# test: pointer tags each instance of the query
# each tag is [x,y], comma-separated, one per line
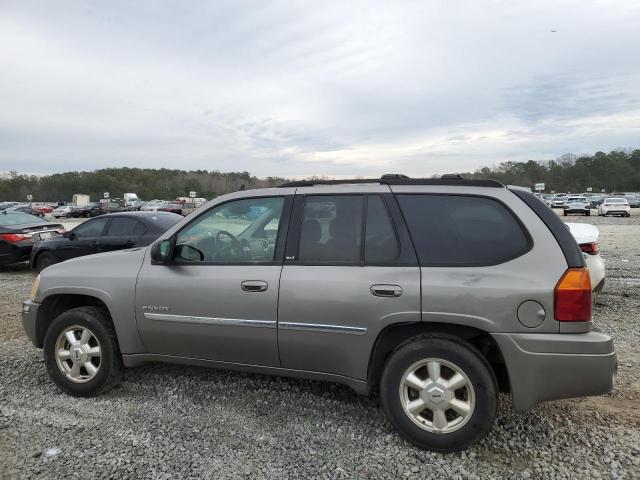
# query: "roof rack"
[393,179]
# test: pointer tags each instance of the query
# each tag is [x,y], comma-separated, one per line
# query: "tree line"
[618,170]
[147,183]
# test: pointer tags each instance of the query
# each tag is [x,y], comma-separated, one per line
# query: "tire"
[109,370]
[588,214]
[44,260]
[564,213]
[453,354]
[628,215]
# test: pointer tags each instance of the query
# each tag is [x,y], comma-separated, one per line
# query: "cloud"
[313,88]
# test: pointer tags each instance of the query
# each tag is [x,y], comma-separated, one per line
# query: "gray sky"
[297,88]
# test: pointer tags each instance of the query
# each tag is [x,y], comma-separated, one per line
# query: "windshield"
[17,218]
[616,200]
[576,199]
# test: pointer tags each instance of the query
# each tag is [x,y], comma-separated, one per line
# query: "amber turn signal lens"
[573,296]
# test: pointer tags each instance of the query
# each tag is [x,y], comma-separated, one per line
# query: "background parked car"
[26,208]
[586,236]
[99,208]
[103,234]
[171,207]
[633,200]
[596,200]
[81,211]
[64,211]
[614,206]
[19,232]
[557,202]
[5,205]
[577,204]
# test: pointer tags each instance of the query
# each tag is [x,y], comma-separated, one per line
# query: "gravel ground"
[186,422]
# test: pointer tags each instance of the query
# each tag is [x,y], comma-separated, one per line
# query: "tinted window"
[462,230]
[381,244]
[238,231]
[90,228]
[164,220]
[331,228]
[17,218]
[122,227]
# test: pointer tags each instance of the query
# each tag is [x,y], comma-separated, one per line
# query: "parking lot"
[169,421]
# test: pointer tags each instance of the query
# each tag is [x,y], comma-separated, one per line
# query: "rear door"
[349,271]
[122,232]
[483,254]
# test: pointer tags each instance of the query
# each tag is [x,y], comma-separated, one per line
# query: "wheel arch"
[54,305]
[394,335]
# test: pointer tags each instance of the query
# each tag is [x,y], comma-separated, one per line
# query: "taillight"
[590,248]
[572,296]
[14,237]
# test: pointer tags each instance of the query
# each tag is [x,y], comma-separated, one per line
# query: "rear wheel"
[439,392]
[588,214]
[81,352]
[44,260]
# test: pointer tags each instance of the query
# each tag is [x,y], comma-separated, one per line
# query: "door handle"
[129,243]
[95,244]
[386,290]
[254,286]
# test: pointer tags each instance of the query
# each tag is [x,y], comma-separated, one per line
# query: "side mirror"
[69,234]
[161,252]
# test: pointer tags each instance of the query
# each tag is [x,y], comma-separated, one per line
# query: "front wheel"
[588,214]
[81,352]
[439,392]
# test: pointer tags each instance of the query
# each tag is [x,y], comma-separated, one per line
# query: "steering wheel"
[234,248]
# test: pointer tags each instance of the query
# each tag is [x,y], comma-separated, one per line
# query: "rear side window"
[331,228]
[121,227]
[381,243]
[451,230]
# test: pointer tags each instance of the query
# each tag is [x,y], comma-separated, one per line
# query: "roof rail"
[398,181]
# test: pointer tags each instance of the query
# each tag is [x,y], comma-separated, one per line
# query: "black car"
[115,231]
[19,232]
[82,211]
[101,209]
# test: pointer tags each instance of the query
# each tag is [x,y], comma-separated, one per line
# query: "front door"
[218,298]
[84,239]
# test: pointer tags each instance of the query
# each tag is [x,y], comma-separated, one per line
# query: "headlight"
[34,288]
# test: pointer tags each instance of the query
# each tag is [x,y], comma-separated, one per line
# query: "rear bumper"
[15,252]
[546,367]
[577,210]
[29,316]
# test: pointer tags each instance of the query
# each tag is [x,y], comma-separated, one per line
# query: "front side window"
[90,228]
[450,230]
[238,231]
[331,228]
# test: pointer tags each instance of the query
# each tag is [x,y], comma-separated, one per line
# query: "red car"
[171,207]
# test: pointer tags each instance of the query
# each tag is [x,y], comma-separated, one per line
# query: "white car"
[586,236]
[62,212]
[577,204]
[614,206]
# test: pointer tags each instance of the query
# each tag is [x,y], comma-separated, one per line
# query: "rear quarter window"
[457,230]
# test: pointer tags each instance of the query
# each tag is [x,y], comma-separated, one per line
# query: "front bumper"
[29,317]
[546,367]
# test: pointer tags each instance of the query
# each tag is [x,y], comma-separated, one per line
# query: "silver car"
[436,293]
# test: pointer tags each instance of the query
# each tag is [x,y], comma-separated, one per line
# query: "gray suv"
[436,293]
